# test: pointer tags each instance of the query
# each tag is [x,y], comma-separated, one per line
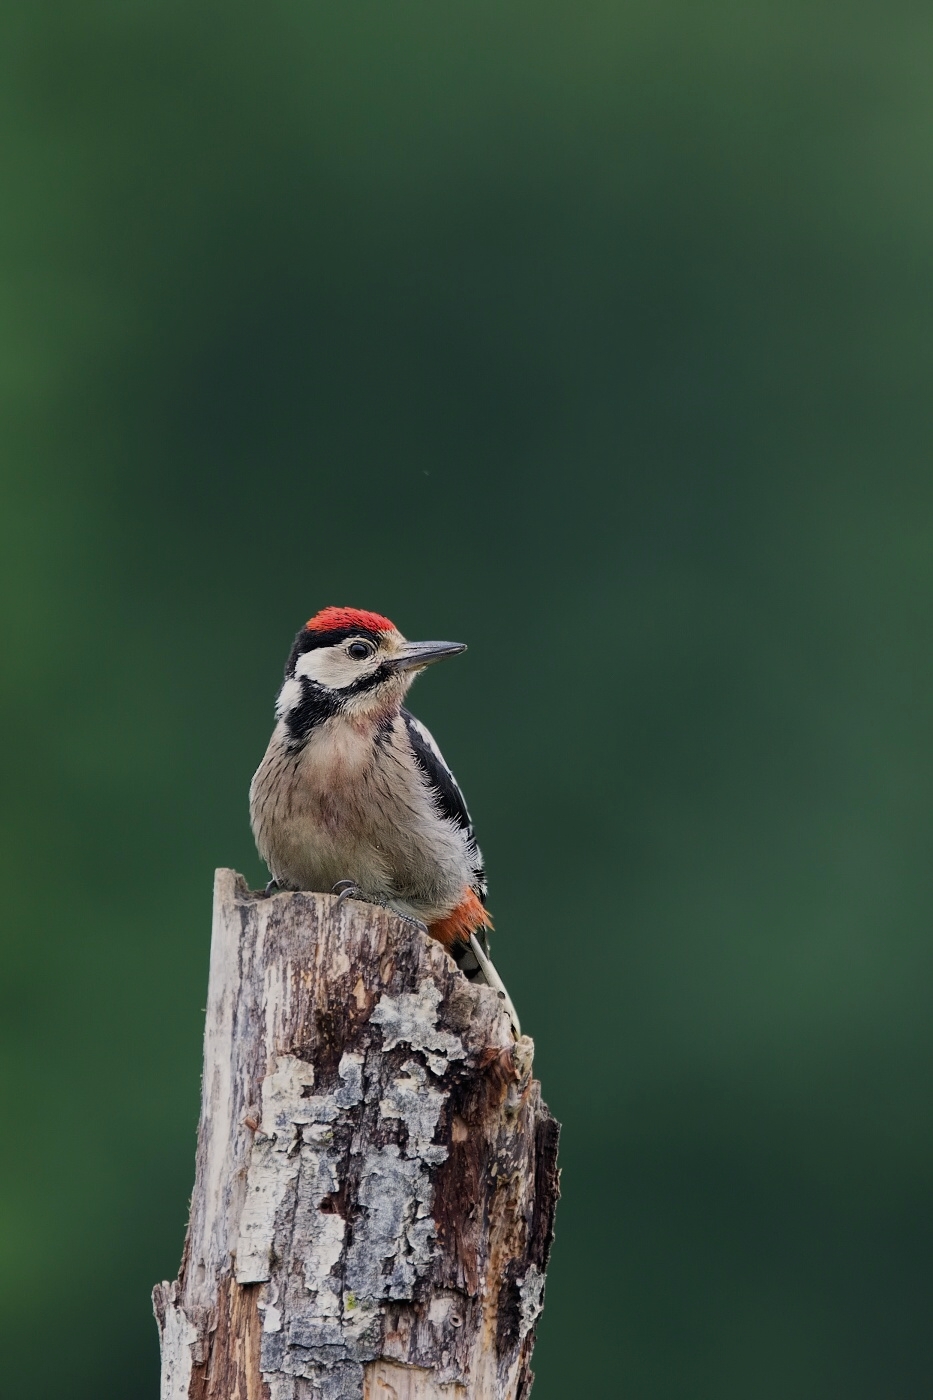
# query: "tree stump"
[376,1172]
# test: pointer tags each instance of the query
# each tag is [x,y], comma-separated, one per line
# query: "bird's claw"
[273,887]
[344,890]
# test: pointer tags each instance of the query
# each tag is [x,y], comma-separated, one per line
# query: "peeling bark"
[376,1173]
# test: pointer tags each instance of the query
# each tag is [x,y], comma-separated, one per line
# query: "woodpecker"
[353,795]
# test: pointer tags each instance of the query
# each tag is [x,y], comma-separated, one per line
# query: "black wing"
[444,787]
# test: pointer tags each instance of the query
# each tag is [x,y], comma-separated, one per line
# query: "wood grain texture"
[376,1173]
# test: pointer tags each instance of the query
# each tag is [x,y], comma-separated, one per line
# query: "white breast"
[353,805]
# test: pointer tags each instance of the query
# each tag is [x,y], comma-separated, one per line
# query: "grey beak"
[414,655]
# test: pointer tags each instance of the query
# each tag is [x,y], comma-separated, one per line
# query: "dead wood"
[376,1172]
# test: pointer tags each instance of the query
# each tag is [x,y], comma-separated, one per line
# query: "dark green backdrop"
[597,336]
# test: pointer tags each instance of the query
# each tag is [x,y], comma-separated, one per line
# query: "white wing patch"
[431,742]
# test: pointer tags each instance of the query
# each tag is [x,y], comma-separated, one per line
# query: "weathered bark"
[376,1172]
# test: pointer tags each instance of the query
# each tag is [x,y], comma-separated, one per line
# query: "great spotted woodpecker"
[353,795]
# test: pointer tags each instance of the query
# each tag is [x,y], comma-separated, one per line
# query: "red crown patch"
[339,619]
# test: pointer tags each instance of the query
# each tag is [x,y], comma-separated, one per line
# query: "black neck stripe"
[319,702]
[316,705]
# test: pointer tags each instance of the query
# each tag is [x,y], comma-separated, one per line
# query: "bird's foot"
[409,919]
[273,887]
[349,889]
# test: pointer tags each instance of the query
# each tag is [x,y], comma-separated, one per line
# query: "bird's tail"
[474,962]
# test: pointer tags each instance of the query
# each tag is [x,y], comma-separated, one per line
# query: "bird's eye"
[359,650]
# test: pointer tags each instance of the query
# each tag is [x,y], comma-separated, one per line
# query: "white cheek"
[331,667]
[289,696]
[325,666]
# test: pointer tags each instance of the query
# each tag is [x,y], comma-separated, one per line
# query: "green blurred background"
[597,336]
